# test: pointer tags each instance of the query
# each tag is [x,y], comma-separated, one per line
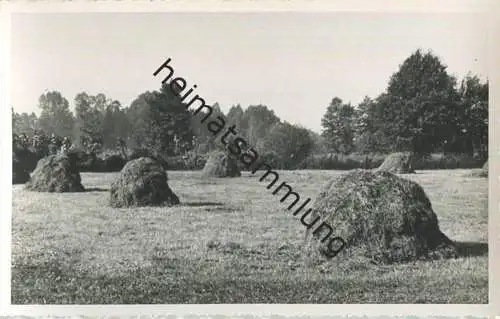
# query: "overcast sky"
[294,63]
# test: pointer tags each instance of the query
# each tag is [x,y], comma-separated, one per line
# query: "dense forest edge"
[424,110]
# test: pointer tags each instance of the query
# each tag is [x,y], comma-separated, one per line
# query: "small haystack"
[221,164]
[480,172]
[142,182]
[381,217]
[19,173]
[485,169]
[55,173]
[398,163]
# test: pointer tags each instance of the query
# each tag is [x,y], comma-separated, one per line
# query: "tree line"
[423,110]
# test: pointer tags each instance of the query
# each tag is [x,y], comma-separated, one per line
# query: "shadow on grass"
[471,249]
[201,204]
[96,189]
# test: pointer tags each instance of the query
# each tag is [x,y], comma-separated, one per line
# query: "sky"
[294,63]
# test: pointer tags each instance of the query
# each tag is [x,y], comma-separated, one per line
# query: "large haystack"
[142,182]
[19,173]
[221,164]
[399,163]
[381,217]
[55,173]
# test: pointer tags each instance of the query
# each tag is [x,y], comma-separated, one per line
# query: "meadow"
[230,241]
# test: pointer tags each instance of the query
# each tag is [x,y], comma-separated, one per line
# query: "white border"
[255,6]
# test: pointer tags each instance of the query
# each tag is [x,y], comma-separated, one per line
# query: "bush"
[113,163]
[341,162]
[19,174]
[371,161]
[448,161]
[85,162]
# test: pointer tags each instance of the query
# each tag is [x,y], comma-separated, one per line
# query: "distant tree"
[24,123]
[371,135]
[115,125]
[160,122]
[291,144]
[56,117]
[235,116]
[89,118]
[338,127]
[256,123]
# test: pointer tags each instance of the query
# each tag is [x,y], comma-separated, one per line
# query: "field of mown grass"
[230,241]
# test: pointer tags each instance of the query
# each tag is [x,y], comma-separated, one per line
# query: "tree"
[474,115]
[235,116]
[420,105]
[338,126]
[56,117]
[24,123]
[115,125]
[89,118]
[256,122]
[161,122]
[291,144]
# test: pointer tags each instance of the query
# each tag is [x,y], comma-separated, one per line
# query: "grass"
[230,241]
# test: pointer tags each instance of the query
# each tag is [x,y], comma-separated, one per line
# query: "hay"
[481,172]
[144,152]
[400,163]
[19,174]
[381,217]
[485,169]
[221,164]
[55,173]
[142,182]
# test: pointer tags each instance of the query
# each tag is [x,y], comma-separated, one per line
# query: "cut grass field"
[231,241]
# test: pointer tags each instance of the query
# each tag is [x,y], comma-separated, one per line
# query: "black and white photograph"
[249,158]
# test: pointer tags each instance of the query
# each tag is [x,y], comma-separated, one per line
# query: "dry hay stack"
[481,172]
[221,164]
[485,169]
[55,173]
[142,182]
[19,173]
[400,163]
[381,217]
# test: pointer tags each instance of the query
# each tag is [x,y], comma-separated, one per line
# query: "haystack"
[485,169]
[142,182]
[19,173]
[221,164]
[400,163]
[55,173]
[381,217]
[480,172]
